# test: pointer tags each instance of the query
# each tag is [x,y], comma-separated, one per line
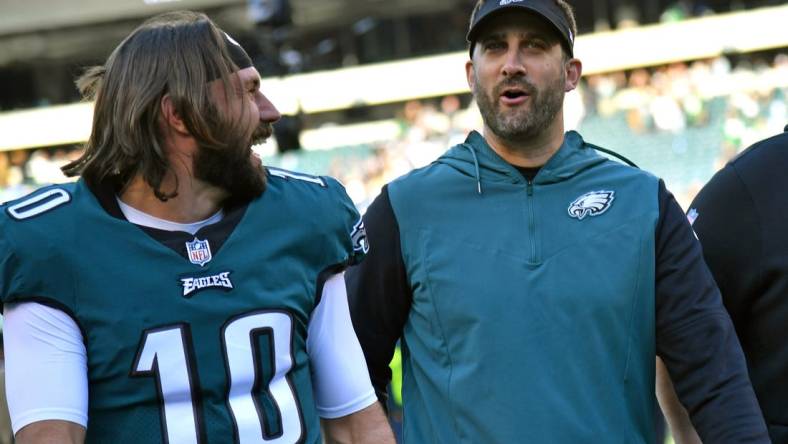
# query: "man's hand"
[675,414]
[368,425]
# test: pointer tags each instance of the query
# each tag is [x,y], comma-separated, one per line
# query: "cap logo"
[508,2]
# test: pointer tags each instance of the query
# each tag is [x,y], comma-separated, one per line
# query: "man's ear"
[470,74]
[171,117]
[574,70]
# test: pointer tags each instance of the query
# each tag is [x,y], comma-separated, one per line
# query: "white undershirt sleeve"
[339,372]
[45,365]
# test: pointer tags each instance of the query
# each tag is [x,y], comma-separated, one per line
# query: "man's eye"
[494,45]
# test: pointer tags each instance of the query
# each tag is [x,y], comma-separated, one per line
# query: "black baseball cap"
[548,9]
[237,54]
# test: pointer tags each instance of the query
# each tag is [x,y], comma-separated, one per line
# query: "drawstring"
[476,165]
[616,155]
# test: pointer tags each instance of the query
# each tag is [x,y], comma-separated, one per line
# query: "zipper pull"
[530,188]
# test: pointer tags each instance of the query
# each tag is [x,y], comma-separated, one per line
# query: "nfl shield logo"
[199,251]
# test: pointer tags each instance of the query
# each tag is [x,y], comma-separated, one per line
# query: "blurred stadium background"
[374,88]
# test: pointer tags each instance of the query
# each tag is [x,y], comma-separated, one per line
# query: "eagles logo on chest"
[196,283]
[592,203]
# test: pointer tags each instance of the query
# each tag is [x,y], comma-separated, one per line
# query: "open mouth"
[513,96]
[514,93]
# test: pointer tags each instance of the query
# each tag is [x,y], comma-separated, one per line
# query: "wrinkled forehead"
[241,80]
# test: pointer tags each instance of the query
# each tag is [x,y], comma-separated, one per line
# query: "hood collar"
[477,159]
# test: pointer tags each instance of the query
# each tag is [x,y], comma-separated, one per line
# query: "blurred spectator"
[5,165]
[675,12]
[684,9]
[450,107]
[12,177]
[574,108]
[626,15]
[667,114]
[634,101]
[18,172]
[603,89]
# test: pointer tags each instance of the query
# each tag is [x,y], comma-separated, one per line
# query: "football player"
[179,291]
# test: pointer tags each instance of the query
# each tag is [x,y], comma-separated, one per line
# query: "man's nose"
[513,64]
[268,112]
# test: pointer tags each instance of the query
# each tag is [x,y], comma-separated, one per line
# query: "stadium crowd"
[668,99]
[741,101]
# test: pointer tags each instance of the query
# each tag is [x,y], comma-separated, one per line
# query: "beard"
[235,169]
[520,123]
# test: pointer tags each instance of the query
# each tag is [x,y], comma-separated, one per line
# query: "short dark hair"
[175,53]
[566,9]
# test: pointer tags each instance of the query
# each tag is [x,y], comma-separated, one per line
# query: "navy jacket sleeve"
[696,338]
[378,293]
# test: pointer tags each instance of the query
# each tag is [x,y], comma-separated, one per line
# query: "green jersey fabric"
[532,317]
[205,343]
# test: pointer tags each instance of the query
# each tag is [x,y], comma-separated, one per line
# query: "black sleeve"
[729,230]
[378,293]
[696,338]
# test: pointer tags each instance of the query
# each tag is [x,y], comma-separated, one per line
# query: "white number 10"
[166,353]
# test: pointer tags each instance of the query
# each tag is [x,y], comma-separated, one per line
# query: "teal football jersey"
[190,338]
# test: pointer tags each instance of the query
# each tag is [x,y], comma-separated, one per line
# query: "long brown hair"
[175,53]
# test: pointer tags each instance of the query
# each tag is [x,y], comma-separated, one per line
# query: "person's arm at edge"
[344,396]
[44,347]
[51,432]
[379,294]
[696,339]
[675,414]
[368,425]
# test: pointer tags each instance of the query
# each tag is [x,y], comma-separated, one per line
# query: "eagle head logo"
[359,237]
[592,203]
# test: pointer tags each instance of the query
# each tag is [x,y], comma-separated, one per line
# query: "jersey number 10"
[164,353]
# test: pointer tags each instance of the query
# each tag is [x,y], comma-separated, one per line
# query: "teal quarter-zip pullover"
[530,311]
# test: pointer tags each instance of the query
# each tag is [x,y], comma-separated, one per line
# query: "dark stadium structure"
[43,44]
